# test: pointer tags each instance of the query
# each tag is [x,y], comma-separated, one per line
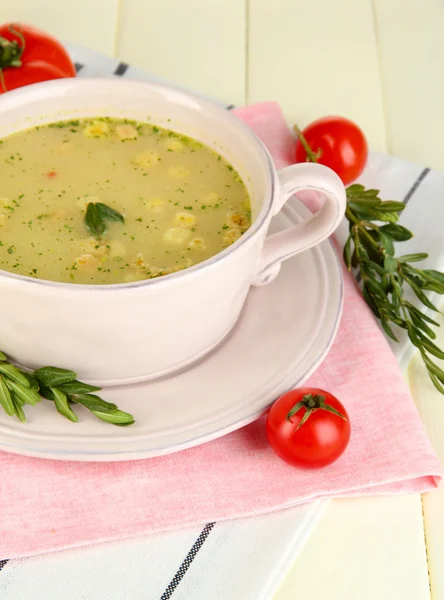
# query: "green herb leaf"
[77,387]
[96,216]
[397,320]
[433,287]
[387,243]
[46,393]
[106,212]
[93,402]
[3,357]
[375,267]
[14,374]
[33,383]
[25,395]
[363,212]
[413,257]
[371,303]
[388,330]
[412,274]
[377,290]
[413,336]
[93,221]
[387,281]
[430,346]
[61,402]
[390,264]
[364,201]
[18,400]
[421,296]
[356,190]
[106,411]
[391,206]
[396,302]
[434,276]
[18,408]
[420,324]
[53,377]
[433,367]
[436,382]
[367,268]
[117,417]
[434,280]
[354,259]
[389,217]
[347,253]
[423,316]
[397,232]
[370,194]
[6,399]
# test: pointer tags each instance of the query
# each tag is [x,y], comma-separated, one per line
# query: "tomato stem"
[311,156]
[11,52]
[311,404]
[20,35]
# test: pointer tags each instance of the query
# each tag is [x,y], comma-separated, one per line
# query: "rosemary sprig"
[18,388]
[370,249]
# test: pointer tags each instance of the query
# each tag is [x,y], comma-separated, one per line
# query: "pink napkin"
[49,505]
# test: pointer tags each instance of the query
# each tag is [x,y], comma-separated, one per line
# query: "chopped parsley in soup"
[102,201]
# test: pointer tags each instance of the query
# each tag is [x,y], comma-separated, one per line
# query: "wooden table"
[379,62]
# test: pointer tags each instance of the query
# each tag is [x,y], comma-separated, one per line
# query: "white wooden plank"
[200,45]
[91,24]
[412,55]
[317,58]
[434,528]
[363,548]
[431,407]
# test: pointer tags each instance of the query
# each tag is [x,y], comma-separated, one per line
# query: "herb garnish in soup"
[102,201]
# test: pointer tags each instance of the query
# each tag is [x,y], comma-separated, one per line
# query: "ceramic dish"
[122,333]
[283,334]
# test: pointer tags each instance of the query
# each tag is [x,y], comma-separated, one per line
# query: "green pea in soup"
[102,201]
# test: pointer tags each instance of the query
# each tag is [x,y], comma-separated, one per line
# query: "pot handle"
[285,244]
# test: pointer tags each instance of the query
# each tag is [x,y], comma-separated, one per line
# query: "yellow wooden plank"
[431,407]
[363,549]
[91,24]
[317,58]
[412,54]
[199,45]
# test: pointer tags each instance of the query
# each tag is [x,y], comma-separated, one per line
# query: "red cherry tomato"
[28,55]
[340,145]
[308,427]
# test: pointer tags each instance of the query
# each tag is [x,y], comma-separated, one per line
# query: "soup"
[104,201]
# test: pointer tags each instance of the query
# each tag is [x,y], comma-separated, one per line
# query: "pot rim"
[69,83]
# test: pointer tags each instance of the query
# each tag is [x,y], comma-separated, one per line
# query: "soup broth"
[177,202]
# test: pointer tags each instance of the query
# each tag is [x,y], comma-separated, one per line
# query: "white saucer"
[284,333]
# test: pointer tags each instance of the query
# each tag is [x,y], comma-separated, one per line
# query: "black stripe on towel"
[187,562]
[3,563]
[121,69]
[416,185]
[78,67]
